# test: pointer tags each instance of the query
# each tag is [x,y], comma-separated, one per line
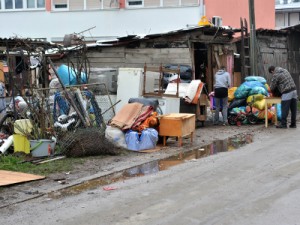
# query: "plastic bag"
[147,140]
[231,93]
[260,104]
[259,90]
[256,78]
[237,103]
[278,109]
[242,91]
[253,98]
[115,135]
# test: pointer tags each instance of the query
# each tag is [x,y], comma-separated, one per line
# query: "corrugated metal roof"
[131,38]
[19,42]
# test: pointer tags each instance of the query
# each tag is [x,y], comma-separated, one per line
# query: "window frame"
[24,6]
[134,6]
[60,9]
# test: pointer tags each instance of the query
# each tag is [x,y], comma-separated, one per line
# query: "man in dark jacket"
[283,82]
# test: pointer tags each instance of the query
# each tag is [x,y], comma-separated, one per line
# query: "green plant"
[19,164]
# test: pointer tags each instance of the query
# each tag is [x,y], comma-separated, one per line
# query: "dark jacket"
[282,81]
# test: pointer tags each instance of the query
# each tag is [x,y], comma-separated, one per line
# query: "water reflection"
[216,147]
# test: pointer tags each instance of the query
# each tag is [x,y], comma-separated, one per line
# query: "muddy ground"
[95,167]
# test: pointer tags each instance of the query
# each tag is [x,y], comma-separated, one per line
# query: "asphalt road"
[256,184]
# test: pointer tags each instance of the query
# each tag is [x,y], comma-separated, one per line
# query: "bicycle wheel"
[231,120]
[7,124]
[252,119]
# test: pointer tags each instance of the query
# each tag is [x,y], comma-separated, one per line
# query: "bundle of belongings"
[250,95]
[135,126]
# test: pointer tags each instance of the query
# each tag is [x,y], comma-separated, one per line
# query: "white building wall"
[117,22]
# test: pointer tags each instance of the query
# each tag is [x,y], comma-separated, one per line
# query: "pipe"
[7,143]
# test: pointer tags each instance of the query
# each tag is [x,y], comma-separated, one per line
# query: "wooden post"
[253,57]
[144,80]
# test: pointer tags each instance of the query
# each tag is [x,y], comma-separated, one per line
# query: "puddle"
[216,147]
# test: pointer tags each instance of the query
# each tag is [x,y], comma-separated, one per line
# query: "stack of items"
[134,127]
[250,96]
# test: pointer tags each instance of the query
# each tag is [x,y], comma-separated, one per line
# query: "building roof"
[292,28]
[208,30]
[25,43]
[292,7]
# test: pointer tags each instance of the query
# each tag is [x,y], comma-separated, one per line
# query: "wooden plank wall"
[272,50]
[137,57]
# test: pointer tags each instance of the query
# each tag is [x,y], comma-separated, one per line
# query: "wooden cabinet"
[202,109]
[177,125]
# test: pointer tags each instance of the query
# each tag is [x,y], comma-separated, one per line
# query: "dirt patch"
[97,166]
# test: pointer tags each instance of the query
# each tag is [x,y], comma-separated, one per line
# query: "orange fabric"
[151,121]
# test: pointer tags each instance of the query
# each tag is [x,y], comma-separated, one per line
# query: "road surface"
[256,184]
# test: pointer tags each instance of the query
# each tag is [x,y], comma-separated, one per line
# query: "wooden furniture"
[202,109]
[177,125]
[271,100]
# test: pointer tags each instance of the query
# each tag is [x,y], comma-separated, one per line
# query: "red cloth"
[145,113]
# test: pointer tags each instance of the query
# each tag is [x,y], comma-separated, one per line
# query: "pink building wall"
[232,10]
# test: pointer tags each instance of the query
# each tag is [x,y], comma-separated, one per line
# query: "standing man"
[222,83]
[283,83]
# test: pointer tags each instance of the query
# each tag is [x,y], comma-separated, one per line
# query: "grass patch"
[16,163]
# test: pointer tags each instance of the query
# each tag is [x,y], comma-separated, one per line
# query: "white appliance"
[169,105]
[217,21]
[130,85]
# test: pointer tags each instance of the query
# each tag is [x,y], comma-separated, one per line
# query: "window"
[60,4]
[8,4]
[35,4]
[135,3]
[21,4]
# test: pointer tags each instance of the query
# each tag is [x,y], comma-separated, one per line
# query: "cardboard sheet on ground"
[10,177]
[157,148]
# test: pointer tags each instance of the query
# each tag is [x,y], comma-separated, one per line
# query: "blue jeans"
[286,106]
[224,103]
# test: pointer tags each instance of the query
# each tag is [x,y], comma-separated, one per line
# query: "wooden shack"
[279,48]
[205,49]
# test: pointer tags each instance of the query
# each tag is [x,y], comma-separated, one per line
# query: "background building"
[287,13]
[102,19]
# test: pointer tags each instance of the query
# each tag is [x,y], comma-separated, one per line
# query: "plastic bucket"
[42,147]
[21,143]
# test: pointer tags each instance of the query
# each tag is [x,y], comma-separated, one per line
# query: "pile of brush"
[87,142]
